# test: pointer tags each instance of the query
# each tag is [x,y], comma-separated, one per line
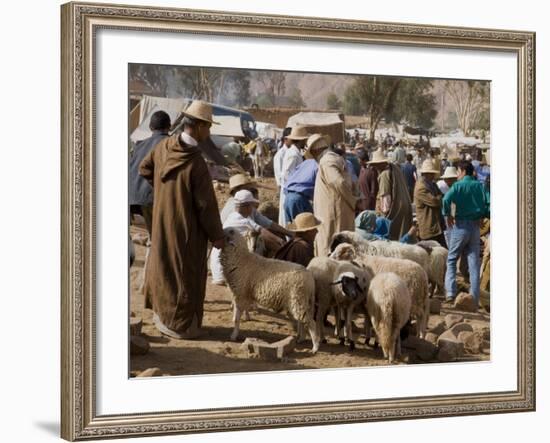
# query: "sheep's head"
[350,284]
[233,238]
[345,237]
[344,252]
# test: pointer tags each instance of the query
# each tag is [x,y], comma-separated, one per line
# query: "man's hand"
[450,221]
[219,244]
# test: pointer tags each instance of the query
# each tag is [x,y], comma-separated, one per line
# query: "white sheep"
[342,284]
[274,284]
[388,305]
[384,248]
[410,272]
[438,265]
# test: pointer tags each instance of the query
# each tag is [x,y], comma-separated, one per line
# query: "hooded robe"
[185,217]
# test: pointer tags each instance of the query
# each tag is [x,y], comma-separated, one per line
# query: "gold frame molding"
[79,23]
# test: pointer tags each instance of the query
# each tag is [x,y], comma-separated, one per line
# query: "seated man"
[301,248]
[374,227]
[242,220]
[240,182]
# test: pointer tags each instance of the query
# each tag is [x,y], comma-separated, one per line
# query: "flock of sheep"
[389,282]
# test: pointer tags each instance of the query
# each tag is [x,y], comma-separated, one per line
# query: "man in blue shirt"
[301,182]
[409,171]
[471,205]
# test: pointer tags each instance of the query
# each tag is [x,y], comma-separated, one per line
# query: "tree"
[296,99]
[375,97]
[352,103]
[414,104]
[240,85]
[392,99]
[154,76]
[333,102]
[274,83]
[469,99]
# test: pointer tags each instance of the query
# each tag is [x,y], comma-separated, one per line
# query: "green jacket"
[470,198]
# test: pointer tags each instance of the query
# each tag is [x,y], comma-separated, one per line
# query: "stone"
[151,372]
[423,349]
[269,351]
[450,348]
[473,342]
[461,327]
[439,329]
[435,306]
[465,302]
[486,331]
[432,338]
[453,319]
[135,325]
[141,239]
[139,345]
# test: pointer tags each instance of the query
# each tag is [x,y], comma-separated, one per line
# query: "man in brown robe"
[368,182]
[393,200]
[300,249]
[185,217]
[334,198]
[428,201]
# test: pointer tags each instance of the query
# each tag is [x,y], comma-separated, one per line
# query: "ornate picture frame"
[80,22]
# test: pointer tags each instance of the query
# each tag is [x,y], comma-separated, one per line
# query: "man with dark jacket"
[140,191]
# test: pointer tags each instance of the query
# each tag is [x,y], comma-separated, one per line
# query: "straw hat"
[200,110]
[303,222]
[488,157]
[450,172]
[243,197]
[298,133]
[317,141]
[378,157]
[428,167]
[240,180]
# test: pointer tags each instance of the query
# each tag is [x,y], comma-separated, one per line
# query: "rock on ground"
[423,349]
[435,306]
[139,345]
[135,325]
[439,329]
[151,372]
[269,351]
[465,302]
[453,319]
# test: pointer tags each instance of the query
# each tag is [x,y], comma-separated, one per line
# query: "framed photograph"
[225,259]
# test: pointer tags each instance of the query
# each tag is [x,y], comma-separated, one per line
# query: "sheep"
[274,284]
[410,272]
[384,248]
[340,283]
[438,265]
[388,306]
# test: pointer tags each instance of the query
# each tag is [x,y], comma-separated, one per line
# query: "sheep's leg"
[319,320]
[300,332]
[338,330]
[312,326]
[236,321]
[349,329]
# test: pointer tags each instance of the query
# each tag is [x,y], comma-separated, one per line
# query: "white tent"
[314,118]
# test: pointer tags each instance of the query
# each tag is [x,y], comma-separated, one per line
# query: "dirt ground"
[213,352]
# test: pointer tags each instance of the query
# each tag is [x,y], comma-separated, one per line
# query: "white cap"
[243,196]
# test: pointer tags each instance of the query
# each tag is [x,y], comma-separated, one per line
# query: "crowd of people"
[383,191]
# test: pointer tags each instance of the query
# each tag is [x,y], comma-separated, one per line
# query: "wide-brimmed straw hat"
[298,133]
[428,167]
[450,172]
[378,157]
[200,110]
[317,141]
[240,180]
[303,222]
